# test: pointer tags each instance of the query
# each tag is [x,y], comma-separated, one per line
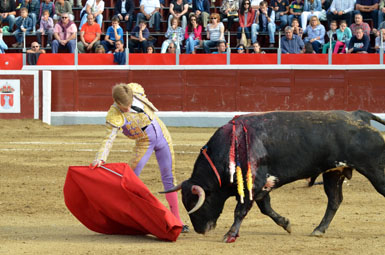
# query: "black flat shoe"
[185,229]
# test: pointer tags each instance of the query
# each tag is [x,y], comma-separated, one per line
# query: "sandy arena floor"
[34,159]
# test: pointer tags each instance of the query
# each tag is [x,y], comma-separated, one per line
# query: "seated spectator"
[61,7]
[149,11]
[281,9]
[291,43]
[309,48]
[23,25]
[341,10]
[7,13]
[35,48]
[295,11]
[368,9]
[139,37]
[344,34]
[114,33]
[100,49]
[124,10]
[264,22]
[381,13]
[89,35]
[47,5]
[359,23]
[310,8]
[65,35]
[201,9]
[178,9]
[174,34]
[297,30]
[378,41]
[95,7]
[229,10]
[221,48]
[3,45]
[332,35]
[359,42]
[119,54]
[193,34]
[241,49]
[171,48]
[246,20]
[255,4]
[46,28]
[150,49]
[33,7]
[257,48]
[215,32]
[315,34]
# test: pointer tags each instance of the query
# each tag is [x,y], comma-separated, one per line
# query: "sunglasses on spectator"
[240,49]
[213,18]
[33,47]
[193,19]
[64,17]
[171,47]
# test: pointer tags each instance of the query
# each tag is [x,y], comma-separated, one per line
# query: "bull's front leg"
[240,213]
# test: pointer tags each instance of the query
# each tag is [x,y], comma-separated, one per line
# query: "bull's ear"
[176,188]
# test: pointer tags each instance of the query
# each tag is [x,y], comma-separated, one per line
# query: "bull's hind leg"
[265,207]
[333,188]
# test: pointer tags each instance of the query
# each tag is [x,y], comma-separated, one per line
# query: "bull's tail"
[367,117]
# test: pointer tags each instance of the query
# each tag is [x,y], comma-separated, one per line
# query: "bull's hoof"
[317,233]
[230,238]
[288,228]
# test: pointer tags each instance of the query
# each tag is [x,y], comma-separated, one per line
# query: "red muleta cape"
[109,204]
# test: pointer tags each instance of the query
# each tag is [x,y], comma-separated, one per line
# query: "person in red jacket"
[246,18]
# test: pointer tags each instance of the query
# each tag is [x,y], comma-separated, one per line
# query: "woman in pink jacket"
[193,34]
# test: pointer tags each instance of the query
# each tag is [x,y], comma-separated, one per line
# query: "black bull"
[287,146]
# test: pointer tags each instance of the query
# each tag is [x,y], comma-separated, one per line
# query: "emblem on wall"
[9,96]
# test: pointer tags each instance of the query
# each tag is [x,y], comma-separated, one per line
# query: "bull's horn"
[197,190]
[175,188]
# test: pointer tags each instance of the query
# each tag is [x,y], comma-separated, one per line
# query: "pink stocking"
[172,199]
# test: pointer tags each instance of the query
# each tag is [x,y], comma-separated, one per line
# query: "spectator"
[246,19]
[255,4]
[178,9]
[193,34]
[359,42]
[95,7]
[33,7]
[46,27]
[297,30]
[257,48]
[215,32]
[139,37]
[201,8]
[35,48]
[310,8]
[368,9]
[7,13]
[315,34]
[295,11]
[229,10]
[100,49]
[378,41]
[149,11]
[124,10]
[281,9]
[241,48]
[174,34]
[89,35]
[65,35]
[332,34]
[291,43]
[171,48]
[150,49]
[359,23]
[114,33]
[344,34]
[264,22]
[381,13]
[47,5]
[3,45]
[23,25]
[119,54]
[61,7]
[341,10]
[326,4]
[309,49]
[221,48]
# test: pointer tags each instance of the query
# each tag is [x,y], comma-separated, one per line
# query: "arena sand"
[34,159]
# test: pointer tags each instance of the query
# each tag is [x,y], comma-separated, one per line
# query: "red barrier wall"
[225,90]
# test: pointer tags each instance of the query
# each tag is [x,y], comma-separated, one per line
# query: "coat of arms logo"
[7,97]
